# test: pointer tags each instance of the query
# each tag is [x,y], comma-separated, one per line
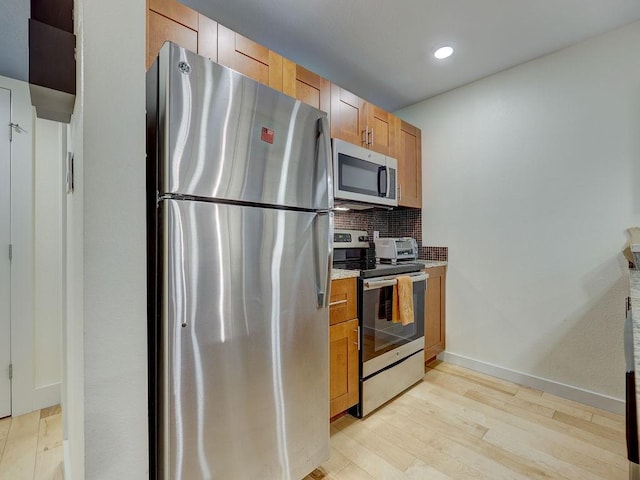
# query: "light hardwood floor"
[31,446]
[455,424]
[458,424]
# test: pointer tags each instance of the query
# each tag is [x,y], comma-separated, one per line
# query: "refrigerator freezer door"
[231,138]
[244,384]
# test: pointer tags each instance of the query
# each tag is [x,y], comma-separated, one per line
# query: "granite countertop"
[432,263]
[338,273]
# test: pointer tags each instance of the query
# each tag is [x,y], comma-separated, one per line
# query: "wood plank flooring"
[31,446]
[455,424]
[459,424]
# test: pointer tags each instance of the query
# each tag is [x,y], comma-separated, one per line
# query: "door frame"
[5,142]
[22,231]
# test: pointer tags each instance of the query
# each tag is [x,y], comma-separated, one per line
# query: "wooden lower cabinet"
[343,346]
[343,366]
[434,318]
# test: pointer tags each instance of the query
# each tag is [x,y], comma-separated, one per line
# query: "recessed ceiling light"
[443,52]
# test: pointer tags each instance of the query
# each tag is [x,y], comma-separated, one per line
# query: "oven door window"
[379,333]
[357,176]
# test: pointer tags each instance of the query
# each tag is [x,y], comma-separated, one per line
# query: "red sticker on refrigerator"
[267,135]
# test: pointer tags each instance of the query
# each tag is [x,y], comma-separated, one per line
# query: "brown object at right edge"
[634,238]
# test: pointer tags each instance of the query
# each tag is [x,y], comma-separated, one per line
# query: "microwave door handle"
[382,181]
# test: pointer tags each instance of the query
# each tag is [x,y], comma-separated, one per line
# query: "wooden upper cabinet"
[361,123]
[348,117]
[381,129]
[249,58]
[409,166]
[207,37]
[306,86]
[169,20]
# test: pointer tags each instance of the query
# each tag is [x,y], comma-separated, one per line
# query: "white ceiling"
[382,49]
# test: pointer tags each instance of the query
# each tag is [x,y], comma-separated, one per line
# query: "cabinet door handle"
[338,302]
[372,136]
[365,136]
[357,342]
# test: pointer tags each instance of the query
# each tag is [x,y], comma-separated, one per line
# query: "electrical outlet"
[376,234]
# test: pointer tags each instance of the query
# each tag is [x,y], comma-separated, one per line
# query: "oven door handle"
[387,282]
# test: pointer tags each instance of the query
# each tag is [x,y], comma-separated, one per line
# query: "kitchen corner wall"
[400,222]
[531,177]
[106,332]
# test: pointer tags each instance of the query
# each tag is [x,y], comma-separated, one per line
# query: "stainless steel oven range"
[391,358]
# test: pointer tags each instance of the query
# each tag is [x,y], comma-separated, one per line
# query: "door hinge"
[11,371]
[10,252]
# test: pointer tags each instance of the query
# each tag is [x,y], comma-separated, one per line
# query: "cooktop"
[380,270]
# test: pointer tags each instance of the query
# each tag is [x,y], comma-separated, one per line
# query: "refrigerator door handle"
[323,269]
[324,150]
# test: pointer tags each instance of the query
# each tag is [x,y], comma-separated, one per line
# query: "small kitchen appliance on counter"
[391,354]
[396,249]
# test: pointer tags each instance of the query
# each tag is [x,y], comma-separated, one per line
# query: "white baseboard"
[569,392]
[47,396]
[67,460]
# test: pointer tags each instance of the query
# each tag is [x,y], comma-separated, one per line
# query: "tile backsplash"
[401,222]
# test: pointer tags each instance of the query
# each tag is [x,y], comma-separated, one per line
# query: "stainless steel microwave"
[362,175]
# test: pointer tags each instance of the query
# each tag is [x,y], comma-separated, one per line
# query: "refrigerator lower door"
[244,354]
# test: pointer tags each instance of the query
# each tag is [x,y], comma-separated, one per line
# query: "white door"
[5,263]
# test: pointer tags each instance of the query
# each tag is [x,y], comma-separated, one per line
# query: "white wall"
[531,177]
[49,153]
[73,411]
[109,145]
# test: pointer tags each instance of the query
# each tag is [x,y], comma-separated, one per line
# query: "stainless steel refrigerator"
[240,237]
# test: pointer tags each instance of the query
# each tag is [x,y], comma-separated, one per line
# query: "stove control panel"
[350,239]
